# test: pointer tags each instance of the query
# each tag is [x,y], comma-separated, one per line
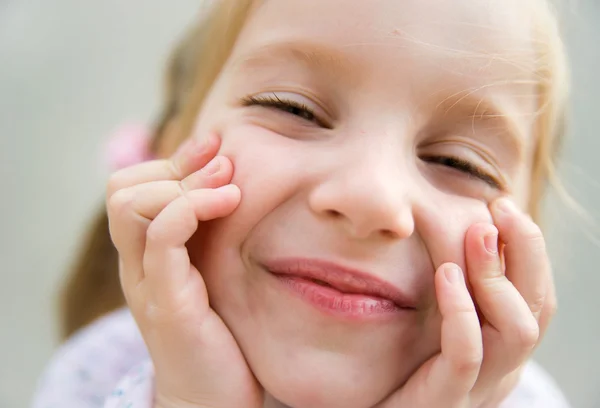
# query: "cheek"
[267,171]
[443,223]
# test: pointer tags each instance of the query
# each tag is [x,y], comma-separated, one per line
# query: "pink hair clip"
[128,145]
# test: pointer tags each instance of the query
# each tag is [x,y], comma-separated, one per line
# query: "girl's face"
[367,136]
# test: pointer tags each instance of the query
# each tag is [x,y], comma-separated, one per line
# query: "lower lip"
[332,301]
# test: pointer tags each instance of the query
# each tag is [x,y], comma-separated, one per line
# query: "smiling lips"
[338,290]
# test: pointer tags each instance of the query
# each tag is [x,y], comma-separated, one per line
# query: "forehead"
[489,27]
[443,46]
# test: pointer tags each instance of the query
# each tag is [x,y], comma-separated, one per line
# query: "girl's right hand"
[154,208]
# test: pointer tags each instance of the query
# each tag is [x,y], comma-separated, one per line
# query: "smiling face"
[366,138]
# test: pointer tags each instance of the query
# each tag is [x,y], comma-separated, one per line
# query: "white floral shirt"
[106,365]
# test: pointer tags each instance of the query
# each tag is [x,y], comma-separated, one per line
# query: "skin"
[351,181]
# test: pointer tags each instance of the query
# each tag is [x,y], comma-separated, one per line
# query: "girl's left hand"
[480,361]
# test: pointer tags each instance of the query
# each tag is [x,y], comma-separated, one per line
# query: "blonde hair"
[93,288]
[551,123]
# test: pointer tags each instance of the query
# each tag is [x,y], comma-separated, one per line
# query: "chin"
[313,386]
[314,354]
[307,357]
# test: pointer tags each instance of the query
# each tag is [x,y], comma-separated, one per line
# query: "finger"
[131,210]
[149,199]
[166,261]
[501,304]
[456,370]
[509,329]
[191,156]
[446,379]
[527,263]
[136,205]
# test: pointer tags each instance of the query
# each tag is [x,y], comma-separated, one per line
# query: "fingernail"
[506,205]
[212,167]
[453,274]
[490,242]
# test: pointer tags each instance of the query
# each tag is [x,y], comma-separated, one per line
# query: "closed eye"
[289,106]
[466,167]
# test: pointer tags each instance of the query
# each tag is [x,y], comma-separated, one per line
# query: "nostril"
[386,233]
[334,213]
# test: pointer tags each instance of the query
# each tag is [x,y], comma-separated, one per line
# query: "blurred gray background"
[71,71]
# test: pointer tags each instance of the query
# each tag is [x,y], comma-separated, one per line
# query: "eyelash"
[306,113]
[295,108]
[466,167]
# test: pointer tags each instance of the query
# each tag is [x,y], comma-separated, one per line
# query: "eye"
[285,105]
[467,167]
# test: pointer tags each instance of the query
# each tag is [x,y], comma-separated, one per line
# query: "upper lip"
[344,279]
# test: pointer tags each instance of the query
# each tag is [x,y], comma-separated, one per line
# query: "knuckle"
[494,286]
[527,334]
[468,363]
[535,238]
[182,188]
[115,183]
[120,201]
[538,303]
[174,168]
[154,233]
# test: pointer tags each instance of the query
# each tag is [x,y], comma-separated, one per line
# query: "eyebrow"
[483,109]
[313,56]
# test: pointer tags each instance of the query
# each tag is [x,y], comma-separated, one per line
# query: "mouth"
[339,290]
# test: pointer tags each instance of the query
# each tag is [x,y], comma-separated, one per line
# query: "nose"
[365,201]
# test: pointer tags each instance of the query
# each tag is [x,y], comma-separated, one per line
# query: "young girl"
[370,249]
